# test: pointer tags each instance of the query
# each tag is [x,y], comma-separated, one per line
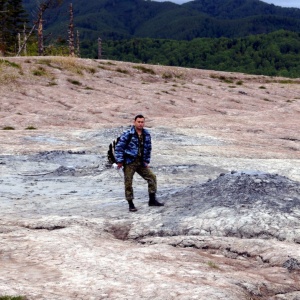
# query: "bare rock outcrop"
[237,204]
[65,229]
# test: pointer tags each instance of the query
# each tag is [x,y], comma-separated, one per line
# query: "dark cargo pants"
[144,172]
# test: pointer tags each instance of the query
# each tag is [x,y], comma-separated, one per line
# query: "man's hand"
[120,165]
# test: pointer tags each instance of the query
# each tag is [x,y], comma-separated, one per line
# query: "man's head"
[139,122]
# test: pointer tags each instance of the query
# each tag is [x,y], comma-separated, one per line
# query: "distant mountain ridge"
[233,9]
[120,19]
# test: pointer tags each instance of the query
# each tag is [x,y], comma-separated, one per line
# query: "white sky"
[283,3]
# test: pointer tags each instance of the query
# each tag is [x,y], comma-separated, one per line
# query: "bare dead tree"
[39,24]
[24,38]
[40,34]
[99,48]
[77,44]
[19,41]
[71,32]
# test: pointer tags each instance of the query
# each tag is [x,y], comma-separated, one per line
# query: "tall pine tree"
[12,19]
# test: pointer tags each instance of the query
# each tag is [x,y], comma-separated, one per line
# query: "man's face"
[139,123]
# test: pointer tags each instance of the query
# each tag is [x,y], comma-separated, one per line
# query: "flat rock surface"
[226,155]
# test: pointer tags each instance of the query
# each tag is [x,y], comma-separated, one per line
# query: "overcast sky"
[283,3]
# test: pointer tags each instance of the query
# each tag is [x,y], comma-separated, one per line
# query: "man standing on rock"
[133,152]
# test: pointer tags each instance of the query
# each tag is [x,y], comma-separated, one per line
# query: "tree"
[71,32]
[12,19]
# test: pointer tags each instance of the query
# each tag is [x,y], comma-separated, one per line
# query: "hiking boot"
[153,201]
[132,208]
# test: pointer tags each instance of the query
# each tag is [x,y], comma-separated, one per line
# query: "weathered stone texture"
[65,229]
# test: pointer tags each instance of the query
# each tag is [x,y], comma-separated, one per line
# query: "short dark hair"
[139,117]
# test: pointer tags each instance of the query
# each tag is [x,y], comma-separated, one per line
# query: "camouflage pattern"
[127,149]
[144,172]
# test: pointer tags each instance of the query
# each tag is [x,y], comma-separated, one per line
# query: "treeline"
[273,54]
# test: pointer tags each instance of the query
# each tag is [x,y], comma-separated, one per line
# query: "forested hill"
[120,19]
[236,9]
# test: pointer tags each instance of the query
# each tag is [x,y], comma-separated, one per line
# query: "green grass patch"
[10,64]
[288,81]
[9,72]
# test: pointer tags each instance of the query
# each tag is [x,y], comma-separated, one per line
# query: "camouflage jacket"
[128,147]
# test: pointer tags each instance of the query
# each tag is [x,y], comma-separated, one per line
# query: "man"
[133,152]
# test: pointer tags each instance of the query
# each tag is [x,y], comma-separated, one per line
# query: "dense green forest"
[125,19]
[12,19]
[274,54]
